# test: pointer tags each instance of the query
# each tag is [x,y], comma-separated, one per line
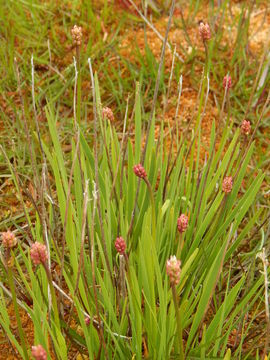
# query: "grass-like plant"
[131,249]
[131,306]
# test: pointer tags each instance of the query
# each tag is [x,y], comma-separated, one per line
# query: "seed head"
[140,171]
[39,353]
[182,223]
[245,127]
[227,82]
[107,113]
[204,30]
[173,270]
[38,253]
[120,245]
[227,184]
[76,33]
[9,239]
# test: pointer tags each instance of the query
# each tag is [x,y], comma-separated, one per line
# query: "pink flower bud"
[227,184]
[87,320]
[39,353]
[245,127]
[38,253]
[173,270]
[76,33]
[120,245]
[140,171]
[9,239]
[204,30]
[107,113]
[182,223]
[227,82]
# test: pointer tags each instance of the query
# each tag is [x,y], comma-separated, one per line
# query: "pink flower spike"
[245,127]
[9,239]
[173,270]
[227,184]
[120,245]
[38,253]
[227,82]
[107,113]
[204,30]
[39,353]
[182,223]
[140,171]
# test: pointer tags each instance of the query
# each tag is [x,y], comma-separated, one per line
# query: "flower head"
[38,253]
[87,320]
[39,353]
[173,270]
[120,245]
[140,171]
[107,113]
[204,30]
[182,223]
[9,239]
[227,82]
[76,33]
[227,184]
[245,127]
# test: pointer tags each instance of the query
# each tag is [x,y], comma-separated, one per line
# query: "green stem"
[18,318]
[180,246]
[78,108]
[54,301]
[153,208]
[179,343]
[205,72]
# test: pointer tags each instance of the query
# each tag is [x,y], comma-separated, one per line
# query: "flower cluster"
[227,184]
[227,82]
[76,33]
[204,30]
[140,171]
[173,270]
[120,245]
[39,353]
[38,253]
[182,223]
[245,127]
[107,113]
[9,239]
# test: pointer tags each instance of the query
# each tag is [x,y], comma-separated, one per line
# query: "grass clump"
[131,244]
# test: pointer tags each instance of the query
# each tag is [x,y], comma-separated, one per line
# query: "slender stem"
[122,262]
[169,84]
[54,301]
[180,245]
[179,343]
[78,85]
[153,208]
